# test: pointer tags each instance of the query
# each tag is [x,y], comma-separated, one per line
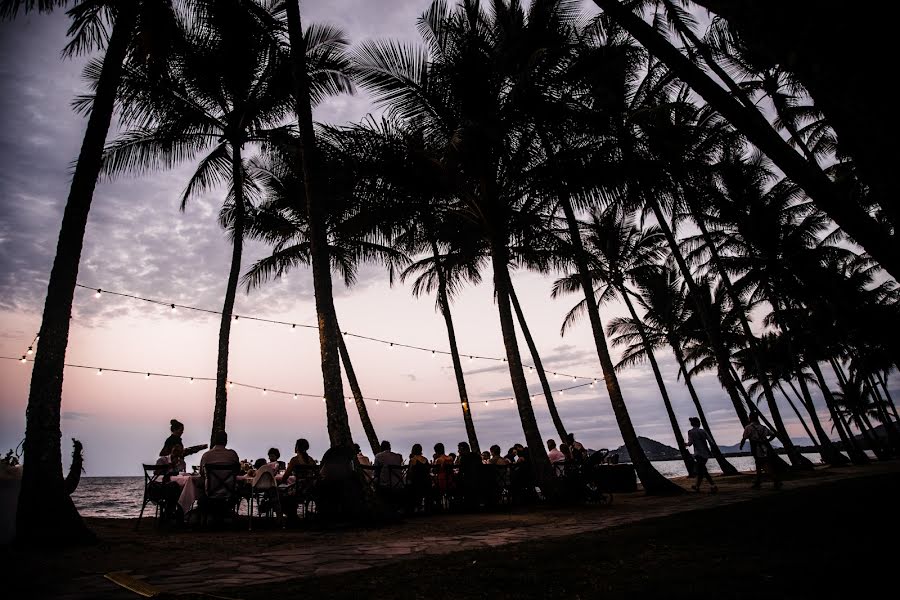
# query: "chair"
[220,485]
[157,491]
[263,487]
[302,492]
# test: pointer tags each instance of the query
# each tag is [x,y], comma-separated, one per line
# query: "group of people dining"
[416,480]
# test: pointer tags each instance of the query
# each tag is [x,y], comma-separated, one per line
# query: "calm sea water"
[120,497]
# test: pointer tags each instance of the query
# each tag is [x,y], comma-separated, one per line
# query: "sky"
[138,242]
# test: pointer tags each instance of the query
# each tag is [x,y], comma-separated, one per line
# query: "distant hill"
[653,449]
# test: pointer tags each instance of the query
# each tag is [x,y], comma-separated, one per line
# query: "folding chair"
[156,491]
[221,495]
[264,487]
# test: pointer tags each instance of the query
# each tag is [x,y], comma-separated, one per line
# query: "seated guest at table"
[496,459]
[567,452]
[444,466]
[173,463]
[521,453]
[274,456]
[485,458]
[259,463]
[415,456]
[301,458]
[469,471]
[553,454]
[219,454]
[177,429]
[360,457]
[388,477]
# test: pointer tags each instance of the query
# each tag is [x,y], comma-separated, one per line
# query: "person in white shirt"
[553,453]
[699,439]
[388,477]
[760,437]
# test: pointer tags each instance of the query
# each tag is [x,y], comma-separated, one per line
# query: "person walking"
[760,438]
[699,440]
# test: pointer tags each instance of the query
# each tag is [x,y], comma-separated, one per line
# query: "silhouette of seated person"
[523,481]
[469,480]
[443,468]
[339,491]
[418,479]
[274,461]
[388,474]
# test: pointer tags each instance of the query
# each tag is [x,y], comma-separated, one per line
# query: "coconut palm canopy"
[438,192]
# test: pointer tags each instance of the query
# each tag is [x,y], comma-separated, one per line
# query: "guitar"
[194,449]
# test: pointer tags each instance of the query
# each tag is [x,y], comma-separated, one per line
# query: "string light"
[391,344]
[593,383]
[264,391]
[407,405]
[574,379]
[485,402]
[30,350]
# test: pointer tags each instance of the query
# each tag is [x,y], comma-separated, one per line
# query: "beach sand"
[816,537]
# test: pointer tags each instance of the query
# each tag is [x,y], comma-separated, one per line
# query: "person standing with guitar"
[177,429]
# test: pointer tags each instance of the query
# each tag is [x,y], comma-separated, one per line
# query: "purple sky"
[138,242]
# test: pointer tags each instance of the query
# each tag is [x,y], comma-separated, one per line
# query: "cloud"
[74,415]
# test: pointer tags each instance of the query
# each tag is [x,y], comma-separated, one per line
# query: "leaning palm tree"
[280,224]
[305,96]
[620,253]
[45,511]
[467,92]
[666,312]
[227,88]
[846,210]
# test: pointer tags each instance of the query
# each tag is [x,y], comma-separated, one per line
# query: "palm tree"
[619,253]
[666,313]
[45,511]
[280,224]
[467,93]
[845,211]
[304,95]
[227,87]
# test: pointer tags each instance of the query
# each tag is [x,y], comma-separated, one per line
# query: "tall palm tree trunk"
[237,177]
[371,436]
[689,463]
[883,382]
[651,479]
[329,334]
[890,429]
[751,340]
[723,360]
[536,358]
[871,440]
[846,212]
[857,456]
[502,285]
[726,467]
[46,514]
[809,433]
[829,453]
[444,305]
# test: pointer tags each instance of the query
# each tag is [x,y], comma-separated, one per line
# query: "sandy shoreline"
[193,561]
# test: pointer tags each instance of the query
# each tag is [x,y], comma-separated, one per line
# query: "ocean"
[120,497]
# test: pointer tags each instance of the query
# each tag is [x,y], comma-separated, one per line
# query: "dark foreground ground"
[831,533]
[838,540]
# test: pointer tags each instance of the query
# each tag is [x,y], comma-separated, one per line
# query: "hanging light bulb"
[531,369]
[295,396]
[99,292]
[392,345]
[173,307]
[230,384]
[574,379]
[377,400]
[293,327]
[99,371]
[148,376]
[236,317]
[485,402]
[433,354]
[512,401]
[555,376]
[348,399]
[470,358]
[324,399]
[435,404]
[593,383]
[407,405]
[265,392]
[191,380]
[23,359]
